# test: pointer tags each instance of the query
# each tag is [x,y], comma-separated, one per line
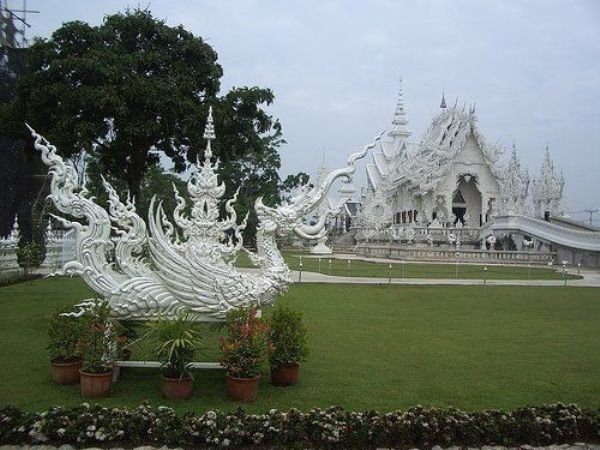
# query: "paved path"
[591,278]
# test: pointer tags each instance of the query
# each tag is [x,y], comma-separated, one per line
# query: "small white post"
[319,265]
[403,274]
[390,273]
[457,254]
[578,269]
[300,271]
[564,271]
[329,266]
[348,269]
[484,275]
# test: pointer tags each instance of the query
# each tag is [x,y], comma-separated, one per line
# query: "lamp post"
[564,272]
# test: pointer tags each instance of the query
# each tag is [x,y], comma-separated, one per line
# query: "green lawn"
[381,347]
[358,268]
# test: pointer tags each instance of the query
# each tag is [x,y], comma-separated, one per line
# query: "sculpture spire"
[443,102]
[209,134]
[400,121]
[548,189]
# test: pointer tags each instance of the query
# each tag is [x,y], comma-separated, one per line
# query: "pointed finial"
[400,121]
[209,134]
[443,102]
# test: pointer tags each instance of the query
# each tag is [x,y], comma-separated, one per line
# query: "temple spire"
[400,121]
[443,102]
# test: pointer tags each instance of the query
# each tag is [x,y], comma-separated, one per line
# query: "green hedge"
[318,428]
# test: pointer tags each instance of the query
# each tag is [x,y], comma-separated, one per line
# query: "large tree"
[133,89]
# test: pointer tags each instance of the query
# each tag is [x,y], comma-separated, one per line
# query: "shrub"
[99,344]
[288,336]
[244,348]
[332,428]
[64,334]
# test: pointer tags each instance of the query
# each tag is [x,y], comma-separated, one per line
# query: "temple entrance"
[466,203]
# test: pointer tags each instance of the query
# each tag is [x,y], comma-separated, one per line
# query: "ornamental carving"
[185,262]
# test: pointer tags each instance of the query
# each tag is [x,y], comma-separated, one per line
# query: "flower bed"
[317,428]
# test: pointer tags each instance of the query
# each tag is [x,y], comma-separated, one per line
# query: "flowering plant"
[331,428]
[244,348]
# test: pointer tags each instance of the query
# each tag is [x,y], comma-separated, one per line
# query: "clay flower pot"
[176,388]
[66,372]
[95,385]
[242,389]
[286,375]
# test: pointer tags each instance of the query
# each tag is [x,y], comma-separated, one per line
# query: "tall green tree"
[134,90]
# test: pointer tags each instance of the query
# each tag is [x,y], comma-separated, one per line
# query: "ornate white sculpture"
[376,212]
[548,189]
[514,186]
[191,265]
[321,248]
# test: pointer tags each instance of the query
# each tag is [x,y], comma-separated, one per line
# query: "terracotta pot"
[95,385]
[66,372]
[175,388]
[286,375]
[242,389]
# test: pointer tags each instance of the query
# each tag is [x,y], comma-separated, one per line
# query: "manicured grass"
[358,268]
[381,347]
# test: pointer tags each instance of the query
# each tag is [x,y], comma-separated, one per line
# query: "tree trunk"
[137,168]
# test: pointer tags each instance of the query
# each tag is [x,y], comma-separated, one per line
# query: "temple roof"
[425,164]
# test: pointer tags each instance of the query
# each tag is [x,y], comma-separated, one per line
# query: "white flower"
[225,442]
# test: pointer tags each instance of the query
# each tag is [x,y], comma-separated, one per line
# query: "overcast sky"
[532,67]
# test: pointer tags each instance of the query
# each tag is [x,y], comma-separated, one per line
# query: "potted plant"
[99,351]
[288,345]
[243,350]
[175,344]
[64,334]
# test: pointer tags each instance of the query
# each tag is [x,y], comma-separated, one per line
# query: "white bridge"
[573,244]
[542,230]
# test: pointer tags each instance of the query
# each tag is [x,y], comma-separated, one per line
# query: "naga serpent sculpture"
[189,268]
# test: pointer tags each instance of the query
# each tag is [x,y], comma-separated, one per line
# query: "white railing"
[373,250]
[60,248]
[418,234]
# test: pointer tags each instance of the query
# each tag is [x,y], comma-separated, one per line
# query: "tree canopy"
[134,89]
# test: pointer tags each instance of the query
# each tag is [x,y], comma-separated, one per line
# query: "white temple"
[450,189]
